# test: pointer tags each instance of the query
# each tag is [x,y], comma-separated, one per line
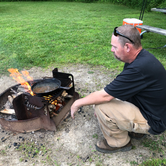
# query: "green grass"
[154,162]
[31,150]
[156,144]
[47,33]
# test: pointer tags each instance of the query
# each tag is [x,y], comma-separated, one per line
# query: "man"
[135,101]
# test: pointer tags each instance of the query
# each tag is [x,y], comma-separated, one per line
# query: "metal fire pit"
[32,112]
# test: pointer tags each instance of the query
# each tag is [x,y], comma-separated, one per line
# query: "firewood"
[22,88]
[8,111]
[15,95]
[10,99]
[64,93]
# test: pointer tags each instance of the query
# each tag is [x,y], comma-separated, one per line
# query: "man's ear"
[128,47]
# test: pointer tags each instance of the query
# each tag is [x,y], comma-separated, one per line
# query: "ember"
[55,105]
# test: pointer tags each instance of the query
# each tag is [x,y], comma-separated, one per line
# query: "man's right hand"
[74,109]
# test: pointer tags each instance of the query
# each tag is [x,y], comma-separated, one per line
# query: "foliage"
[163,4]
[154,4]
[134,3]
[138,4]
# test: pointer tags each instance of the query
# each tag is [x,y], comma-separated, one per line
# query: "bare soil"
[74,141]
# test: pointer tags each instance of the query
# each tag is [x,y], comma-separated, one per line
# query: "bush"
[154,4]
[130,3]
[138,3]
[163,5]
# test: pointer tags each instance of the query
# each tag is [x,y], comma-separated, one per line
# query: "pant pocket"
[140,127]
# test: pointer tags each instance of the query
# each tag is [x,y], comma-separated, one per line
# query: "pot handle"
[66,88]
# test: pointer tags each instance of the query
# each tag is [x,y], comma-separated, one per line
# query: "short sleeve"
[126,84]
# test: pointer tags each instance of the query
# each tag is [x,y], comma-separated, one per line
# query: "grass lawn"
[46,33]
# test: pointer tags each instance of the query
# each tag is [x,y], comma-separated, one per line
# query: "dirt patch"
[74,141]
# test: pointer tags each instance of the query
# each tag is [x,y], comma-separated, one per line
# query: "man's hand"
[93,98]
[74,109]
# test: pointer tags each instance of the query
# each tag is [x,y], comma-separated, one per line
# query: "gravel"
[74,141]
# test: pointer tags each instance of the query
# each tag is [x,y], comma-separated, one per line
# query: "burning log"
[10,99]
[8,111]
[53,114]
[64,94]
[23,89]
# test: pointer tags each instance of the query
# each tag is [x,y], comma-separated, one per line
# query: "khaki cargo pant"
[118,117]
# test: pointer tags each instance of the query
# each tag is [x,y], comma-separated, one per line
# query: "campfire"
[18,77]
[37,104]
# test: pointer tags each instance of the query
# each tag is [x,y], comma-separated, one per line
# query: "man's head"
[126,43]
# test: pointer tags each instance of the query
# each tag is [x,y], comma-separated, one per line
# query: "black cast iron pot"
[47,87]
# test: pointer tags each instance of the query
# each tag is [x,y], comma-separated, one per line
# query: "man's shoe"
[103,147]
[137,136]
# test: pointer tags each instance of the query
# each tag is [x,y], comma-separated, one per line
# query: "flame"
[26,74]
[18,77]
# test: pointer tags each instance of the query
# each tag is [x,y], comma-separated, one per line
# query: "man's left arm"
[93,98]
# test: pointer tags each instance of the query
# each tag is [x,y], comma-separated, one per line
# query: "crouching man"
[134,103]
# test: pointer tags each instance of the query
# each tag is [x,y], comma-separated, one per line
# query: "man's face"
[117,49]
